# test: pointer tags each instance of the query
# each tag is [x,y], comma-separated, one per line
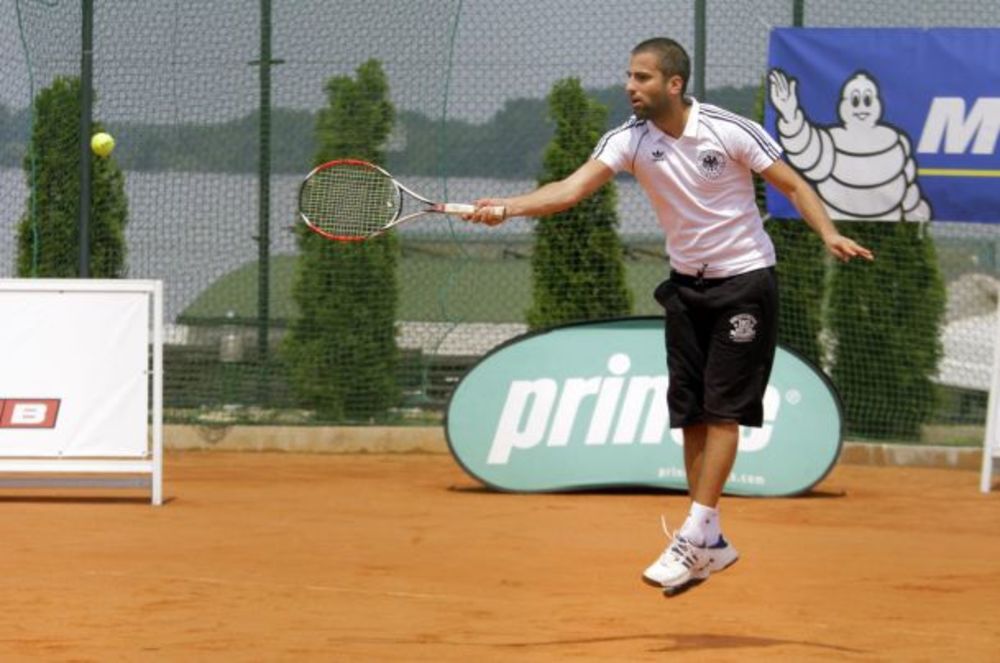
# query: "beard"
[649,109]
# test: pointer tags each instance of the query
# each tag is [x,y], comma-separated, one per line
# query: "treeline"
[509,145]
[14,130]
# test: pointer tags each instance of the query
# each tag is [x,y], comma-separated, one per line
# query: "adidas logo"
[657,155]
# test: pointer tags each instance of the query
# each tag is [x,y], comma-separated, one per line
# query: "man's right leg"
[694,454]
[716,462]
[709,452]
[692,557]
[682,562]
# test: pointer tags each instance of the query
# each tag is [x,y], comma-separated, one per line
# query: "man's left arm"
[784,178]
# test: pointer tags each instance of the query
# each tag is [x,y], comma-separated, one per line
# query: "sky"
[170,61]
[181,61]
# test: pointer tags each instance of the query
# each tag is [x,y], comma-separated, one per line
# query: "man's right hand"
[489,211]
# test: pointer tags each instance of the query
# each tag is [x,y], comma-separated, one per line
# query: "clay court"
[275,556]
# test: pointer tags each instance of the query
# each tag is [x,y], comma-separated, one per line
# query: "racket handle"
[495,211]
[457,208]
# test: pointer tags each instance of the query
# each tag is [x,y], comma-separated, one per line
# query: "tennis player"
[695,163]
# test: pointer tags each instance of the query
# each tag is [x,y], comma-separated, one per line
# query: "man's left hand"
[845,248]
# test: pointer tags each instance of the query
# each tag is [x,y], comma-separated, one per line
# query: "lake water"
[188,229]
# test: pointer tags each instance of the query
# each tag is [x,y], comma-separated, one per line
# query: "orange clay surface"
[284,557]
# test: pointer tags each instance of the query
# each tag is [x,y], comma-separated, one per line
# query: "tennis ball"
[102,144]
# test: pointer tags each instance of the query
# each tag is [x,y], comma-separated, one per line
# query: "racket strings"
[349,200]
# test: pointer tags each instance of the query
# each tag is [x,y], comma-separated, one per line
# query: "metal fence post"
[699,49]
[264,209]
[86,117]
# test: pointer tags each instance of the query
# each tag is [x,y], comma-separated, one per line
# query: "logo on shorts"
[711,164]
[744,328]
[657,155]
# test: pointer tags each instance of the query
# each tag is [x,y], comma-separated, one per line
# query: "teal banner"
[584,406]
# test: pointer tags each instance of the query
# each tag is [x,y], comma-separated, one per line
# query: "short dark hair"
[674,60]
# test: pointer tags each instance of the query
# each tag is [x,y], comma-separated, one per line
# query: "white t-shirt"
[700,186]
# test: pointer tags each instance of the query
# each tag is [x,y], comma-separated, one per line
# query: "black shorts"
[721,335]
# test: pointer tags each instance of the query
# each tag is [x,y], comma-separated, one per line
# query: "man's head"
[658,74]
[672,59]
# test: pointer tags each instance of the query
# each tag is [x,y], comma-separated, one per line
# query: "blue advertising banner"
[889,123]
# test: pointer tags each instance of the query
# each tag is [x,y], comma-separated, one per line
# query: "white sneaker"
[721,555]
[680,564]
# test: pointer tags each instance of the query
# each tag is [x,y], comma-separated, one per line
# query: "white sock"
[702,525]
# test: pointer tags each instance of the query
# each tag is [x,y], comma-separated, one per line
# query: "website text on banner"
[889,124]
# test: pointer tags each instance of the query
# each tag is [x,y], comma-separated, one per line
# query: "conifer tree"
[48,233]
[341,349]
[577,264]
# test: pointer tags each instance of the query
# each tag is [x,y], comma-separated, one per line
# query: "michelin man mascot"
[862,169]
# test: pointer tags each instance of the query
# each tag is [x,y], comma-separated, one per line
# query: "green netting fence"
[265,325]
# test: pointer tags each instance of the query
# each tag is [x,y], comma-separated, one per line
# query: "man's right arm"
[549,199]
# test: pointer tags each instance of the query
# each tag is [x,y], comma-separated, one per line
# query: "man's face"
[647,89]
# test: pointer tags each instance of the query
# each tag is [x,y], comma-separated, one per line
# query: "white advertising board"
[80,375]
[991,441]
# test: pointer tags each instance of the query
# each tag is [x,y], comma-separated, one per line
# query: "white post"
[156,479]
[991,440]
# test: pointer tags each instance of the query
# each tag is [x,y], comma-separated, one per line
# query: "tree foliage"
[341,350]
[801,270]
[886,317]
[510,144]
[577,267]
[47,234]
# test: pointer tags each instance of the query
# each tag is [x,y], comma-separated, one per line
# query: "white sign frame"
[991,440]
[149,463]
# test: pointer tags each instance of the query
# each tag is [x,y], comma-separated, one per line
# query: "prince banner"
[889,124]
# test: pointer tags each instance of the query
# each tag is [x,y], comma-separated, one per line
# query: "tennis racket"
[349,200]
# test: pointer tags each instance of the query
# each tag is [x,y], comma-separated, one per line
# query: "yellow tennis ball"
[102,144]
